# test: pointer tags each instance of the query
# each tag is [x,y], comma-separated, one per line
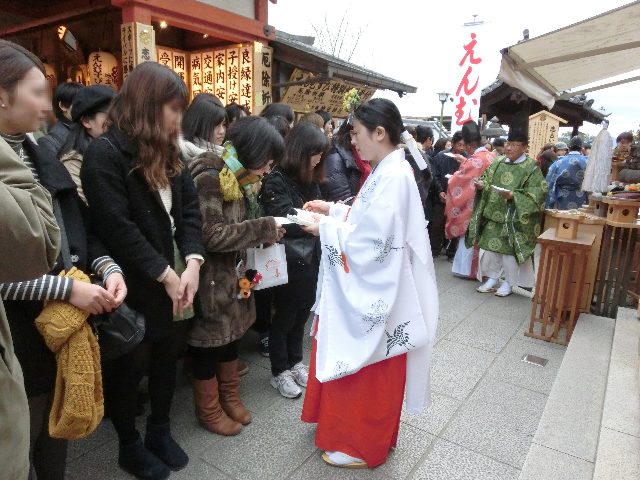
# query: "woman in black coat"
[145,208]
[290,185]
[22,74]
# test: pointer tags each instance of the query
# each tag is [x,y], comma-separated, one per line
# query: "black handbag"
[304,250]
[121,330]
[301,249]
[118,332]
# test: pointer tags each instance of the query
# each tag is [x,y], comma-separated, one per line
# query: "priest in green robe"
[507,217]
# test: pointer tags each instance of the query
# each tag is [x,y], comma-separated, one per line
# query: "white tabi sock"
[492,282]
[340,458]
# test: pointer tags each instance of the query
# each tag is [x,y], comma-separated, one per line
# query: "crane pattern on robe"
[398,338]
[378,315]
[366,190]
[339,370]
[383,249]
[335,257]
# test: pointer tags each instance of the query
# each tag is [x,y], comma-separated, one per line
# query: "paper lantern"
[103,69]
[51,75]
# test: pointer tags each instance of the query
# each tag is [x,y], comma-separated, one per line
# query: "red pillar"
[132,12]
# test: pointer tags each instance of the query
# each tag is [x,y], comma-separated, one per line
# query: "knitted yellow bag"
[78,403]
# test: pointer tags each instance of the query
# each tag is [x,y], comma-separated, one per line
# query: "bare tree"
[586,137]
[340,41]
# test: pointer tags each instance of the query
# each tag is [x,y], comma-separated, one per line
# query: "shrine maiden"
[377,306]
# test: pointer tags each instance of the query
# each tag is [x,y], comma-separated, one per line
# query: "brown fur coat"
[226,234]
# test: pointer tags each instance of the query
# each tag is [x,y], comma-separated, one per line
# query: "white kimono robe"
[377,295]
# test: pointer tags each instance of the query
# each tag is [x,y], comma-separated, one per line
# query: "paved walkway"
[486,407]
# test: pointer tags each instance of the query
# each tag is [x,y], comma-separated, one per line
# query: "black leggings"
[48,456]
[293,307]
[205,360]
[158,360]
[264,300]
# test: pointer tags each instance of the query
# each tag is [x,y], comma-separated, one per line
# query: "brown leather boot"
[229,388]
[208,409]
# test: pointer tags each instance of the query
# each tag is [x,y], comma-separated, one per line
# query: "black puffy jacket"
[342,175]
[279,194]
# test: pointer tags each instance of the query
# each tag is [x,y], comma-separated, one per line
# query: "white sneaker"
[504,290]
[300,374]
[489,286]
[286,385]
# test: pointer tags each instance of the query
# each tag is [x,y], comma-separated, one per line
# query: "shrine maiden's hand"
[317,206]
[479,184]
[315,228]
[312,229]
[443,197]
[459,158]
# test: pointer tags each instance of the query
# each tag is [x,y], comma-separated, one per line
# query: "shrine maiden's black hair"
[380,112]
[256,141]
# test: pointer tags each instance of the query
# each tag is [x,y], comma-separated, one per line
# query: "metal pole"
[441,113]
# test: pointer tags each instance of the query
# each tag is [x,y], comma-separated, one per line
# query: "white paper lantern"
[103,69]
[51,75]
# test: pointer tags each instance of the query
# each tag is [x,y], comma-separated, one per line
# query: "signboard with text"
[326,95]
[543,129]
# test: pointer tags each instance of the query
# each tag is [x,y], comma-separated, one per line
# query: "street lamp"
[442,96]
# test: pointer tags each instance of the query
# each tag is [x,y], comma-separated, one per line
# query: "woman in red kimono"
[461,196]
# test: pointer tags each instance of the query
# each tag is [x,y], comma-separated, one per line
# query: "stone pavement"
[486,408]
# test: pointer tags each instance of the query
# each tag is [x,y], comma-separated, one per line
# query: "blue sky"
[419,43]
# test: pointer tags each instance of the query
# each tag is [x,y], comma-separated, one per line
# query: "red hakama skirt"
[358,414]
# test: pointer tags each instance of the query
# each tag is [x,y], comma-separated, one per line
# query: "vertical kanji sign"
[262,80]
[246,77]
[208,62]
[233,75]
[220,74]
[196,74]
[467,94]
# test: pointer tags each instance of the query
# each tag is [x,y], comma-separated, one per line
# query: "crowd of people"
[148,199]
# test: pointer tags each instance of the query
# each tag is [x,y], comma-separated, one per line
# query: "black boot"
[137,460]
[159,441]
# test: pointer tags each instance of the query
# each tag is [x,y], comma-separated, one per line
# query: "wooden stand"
[596,206]
[616,256]
[587,223]
[560,279]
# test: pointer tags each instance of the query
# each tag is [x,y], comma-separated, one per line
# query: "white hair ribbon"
[413,148]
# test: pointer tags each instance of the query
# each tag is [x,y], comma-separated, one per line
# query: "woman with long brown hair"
[145,208]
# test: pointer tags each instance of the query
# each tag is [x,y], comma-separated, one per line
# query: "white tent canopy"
[599,48]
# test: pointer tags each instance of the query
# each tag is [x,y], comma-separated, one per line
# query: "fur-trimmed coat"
[226,234]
